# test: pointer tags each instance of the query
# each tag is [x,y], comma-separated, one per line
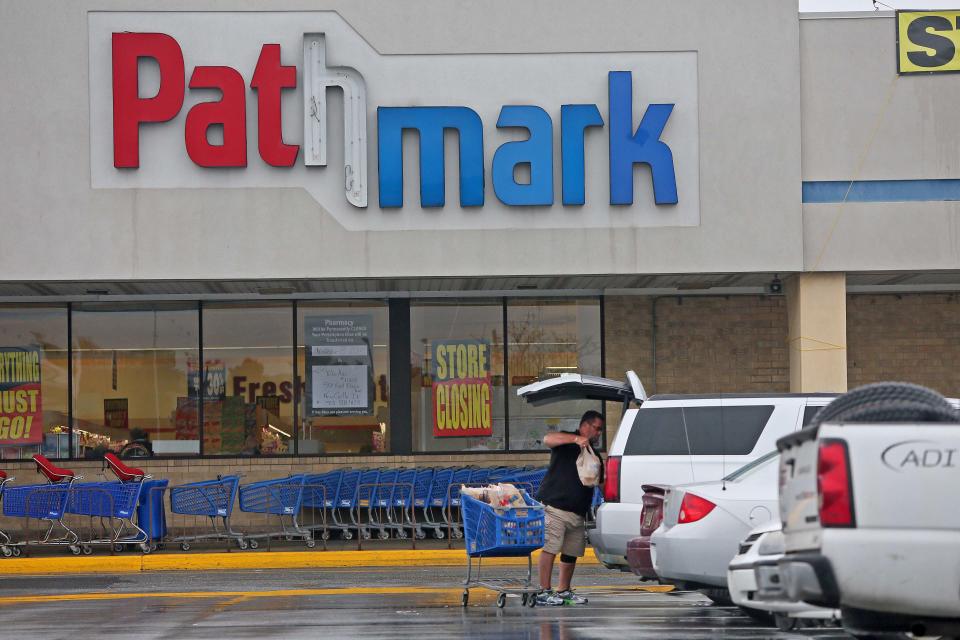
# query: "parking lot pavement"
[362,603]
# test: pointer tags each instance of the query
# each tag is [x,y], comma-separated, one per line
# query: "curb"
[253,560]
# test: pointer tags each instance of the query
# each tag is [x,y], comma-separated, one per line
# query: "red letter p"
[129,109]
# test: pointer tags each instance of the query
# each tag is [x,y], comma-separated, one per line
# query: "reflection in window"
[247,382]
[343,364]
[547,338]
[130,373]
[33,382]
[457,375]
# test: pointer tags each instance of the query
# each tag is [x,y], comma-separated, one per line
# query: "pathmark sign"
[590,139]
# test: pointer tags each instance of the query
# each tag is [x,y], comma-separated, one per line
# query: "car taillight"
[694,508]
[611,483]
[833,485]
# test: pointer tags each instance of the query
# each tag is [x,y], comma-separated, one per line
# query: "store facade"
[286,239]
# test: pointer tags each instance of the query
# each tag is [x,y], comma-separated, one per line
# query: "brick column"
[817,316]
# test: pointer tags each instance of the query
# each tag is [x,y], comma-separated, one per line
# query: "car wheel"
[719,596]
[784,622]
[763,617]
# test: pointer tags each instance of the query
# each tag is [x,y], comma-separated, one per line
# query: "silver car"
[704,523]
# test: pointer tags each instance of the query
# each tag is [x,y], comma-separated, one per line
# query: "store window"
[343,364]
[130,379]
[247,384]
[33,382]
[546,338]
[457,382]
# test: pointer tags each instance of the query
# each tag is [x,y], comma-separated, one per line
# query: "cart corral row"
[132,512]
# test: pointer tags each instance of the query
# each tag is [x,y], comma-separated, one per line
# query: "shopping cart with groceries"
[501,521]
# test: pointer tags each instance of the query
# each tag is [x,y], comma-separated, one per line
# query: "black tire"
[785,622]
[501,600]
[719,596]
[888,402]
[762,617]
[465,598]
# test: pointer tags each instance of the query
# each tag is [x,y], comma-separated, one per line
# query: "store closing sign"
[462,388]
[172,107]
[927,41]
[21,418]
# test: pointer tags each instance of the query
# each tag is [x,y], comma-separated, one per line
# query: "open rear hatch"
[575,386]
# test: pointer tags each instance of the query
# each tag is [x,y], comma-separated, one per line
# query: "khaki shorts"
[564,533]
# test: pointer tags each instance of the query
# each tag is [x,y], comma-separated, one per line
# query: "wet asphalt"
[417,603]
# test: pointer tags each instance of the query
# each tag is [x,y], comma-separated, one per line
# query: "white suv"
[672,439]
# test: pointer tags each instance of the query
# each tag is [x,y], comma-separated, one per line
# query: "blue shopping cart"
[213,499]
[115,503]
[45,502]
[345,503]
[6,547]
[365,491]
[282,497]
[380,503]
[451,508]
[492,532]
[530,480]
[403,497]
[437,500]
[422,484]
[320,492]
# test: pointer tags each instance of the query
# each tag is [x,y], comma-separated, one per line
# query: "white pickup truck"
[870,503]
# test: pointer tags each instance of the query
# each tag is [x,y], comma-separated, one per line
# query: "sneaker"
[569,597]
[549,599]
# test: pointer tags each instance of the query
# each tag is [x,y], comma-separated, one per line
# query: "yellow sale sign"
[927,41]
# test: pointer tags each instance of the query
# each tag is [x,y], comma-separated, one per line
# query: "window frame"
[399,361]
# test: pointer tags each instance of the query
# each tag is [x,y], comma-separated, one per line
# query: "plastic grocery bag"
[509,497]
[588,467]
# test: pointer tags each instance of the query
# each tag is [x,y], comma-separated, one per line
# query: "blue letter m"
[628,148]
[430,122]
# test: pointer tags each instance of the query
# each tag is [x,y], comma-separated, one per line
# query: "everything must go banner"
[21,417]
[339,365]
[461,388]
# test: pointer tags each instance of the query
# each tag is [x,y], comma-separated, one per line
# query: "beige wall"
[905,337]
[745,225]
[816,305]
[861,121]
[703,344]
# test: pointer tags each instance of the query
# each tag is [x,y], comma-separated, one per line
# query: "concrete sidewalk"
[222,560]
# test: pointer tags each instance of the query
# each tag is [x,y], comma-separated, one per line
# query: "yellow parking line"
[234,597]
[254,560]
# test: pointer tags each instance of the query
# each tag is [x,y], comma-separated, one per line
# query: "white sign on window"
[339,386]
[339,350]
